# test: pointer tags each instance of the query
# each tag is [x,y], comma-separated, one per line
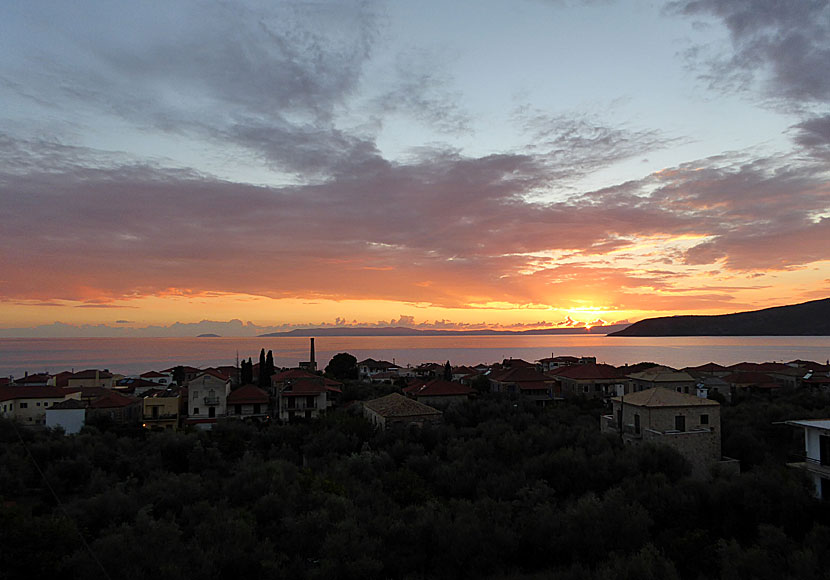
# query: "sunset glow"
[359,163]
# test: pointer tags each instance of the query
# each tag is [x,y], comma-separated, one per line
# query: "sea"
[132,356]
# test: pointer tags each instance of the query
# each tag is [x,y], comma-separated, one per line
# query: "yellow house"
[160,410]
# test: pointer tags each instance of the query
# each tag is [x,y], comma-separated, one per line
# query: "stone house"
[688,424]
[665,377]
[397,411]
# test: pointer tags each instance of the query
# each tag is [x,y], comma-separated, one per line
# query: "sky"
[479,163]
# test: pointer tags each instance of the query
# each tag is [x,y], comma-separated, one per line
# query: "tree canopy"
[342,366]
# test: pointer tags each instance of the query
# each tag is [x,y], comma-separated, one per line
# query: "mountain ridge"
[806,319]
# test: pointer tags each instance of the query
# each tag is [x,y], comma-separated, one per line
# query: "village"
[643,402]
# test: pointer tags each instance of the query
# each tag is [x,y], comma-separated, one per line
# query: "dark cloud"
[784,44]
[814,135]
[421,91]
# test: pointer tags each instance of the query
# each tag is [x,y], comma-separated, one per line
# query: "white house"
[816,453]
[207,398]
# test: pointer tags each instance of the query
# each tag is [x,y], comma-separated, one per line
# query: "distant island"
[209,335]
[806,319]
[404,331]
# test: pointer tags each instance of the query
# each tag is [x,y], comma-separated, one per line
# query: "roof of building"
[68,404]
[662,375]
[709,367]
[31,379]
[292,374]
[13,393]
[662,397]
[750,378]
[304,386]
[397,405]
[519,374]
[745,367]
[113,400]
[153,375]
[588,372]
[438,388]
[823,424]
[247,395]
[92,374]
[213,373]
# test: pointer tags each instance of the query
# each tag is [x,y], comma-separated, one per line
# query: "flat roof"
[812,423]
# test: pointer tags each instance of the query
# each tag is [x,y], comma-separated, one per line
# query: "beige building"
[91,378]
[396,410]
[28,405]
[688,424]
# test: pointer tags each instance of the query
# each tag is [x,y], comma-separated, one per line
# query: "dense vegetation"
[502,490]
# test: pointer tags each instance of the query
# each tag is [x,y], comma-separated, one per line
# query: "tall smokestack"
[311,357]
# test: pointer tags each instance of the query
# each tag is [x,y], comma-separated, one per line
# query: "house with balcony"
[590,380]
[207,398]
[525,381]
[160,410]
[296,393]
[816,459]
[686,423]
[249,403]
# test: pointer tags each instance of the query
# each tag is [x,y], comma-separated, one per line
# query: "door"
[824,449]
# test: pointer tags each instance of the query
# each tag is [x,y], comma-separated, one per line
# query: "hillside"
[807,319]
[403,331]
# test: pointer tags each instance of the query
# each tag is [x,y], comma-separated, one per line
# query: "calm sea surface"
[137,355]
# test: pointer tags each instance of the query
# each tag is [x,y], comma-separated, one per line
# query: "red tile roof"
[13,393]
[588,372]
[292,374]
[519,374]
[438,388]
[750,378]
[113,400]
[707,368]
[247,395]
[91,374]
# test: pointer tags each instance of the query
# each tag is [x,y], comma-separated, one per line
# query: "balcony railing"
[211,400]
[161,417]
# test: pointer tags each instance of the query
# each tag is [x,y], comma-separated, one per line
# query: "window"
[680,423]
[195,410]
[636,423]
[237,409]
[46,404]
[309,401]
[38,404]
[24,405]
[704,419]
[256,409]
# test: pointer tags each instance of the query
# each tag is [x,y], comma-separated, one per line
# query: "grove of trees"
[503,489]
